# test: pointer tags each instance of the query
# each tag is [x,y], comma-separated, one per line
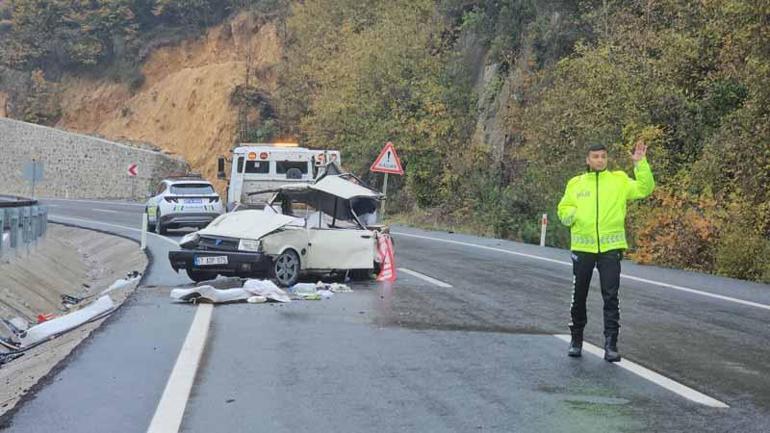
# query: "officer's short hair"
[597,146]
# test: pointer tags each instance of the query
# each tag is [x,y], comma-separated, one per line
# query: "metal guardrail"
[22,222]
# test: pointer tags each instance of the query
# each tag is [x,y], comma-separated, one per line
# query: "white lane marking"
[653,377]
[63,218]
[107,202]
[425,277]
[698,292]
[170,410]
[630,277]
[106,210]
[484,247]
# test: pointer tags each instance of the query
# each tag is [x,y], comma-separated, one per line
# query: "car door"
[337,248]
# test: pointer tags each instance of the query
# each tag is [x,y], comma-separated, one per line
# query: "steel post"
[13,222]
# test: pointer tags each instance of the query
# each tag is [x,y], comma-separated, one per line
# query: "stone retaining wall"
[77,166]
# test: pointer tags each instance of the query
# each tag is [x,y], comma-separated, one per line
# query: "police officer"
[594,208]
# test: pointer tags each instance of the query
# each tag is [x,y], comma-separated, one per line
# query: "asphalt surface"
[415,356]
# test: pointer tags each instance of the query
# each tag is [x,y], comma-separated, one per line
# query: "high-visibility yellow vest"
[594,207]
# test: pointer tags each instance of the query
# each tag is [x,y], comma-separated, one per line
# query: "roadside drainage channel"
[70,295]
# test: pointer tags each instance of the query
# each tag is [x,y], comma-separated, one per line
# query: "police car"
[186,201]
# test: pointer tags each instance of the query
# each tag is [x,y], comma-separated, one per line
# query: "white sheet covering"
[64,323]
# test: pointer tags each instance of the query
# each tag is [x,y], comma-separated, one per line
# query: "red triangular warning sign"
[388,161]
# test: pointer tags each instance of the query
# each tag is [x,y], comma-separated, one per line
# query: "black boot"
[576,345]
[611,348]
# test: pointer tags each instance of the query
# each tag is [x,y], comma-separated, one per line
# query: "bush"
[744,255]
[674,230]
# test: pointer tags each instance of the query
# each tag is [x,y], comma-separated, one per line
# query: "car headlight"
[249,245]
[189,240]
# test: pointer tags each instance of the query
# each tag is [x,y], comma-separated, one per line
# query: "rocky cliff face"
[184,106]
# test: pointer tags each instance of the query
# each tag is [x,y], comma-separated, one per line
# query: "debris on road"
[53,327]
[251,289]
[210,294]
[254,291]
[317,291]
[268,289]
[49,326]
[257,300]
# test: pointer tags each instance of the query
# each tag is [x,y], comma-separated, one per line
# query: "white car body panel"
[246,224]
[340,249]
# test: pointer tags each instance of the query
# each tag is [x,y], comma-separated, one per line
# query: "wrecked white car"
[319,228]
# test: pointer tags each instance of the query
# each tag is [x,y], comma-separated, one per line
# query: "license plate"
[212,260]
[193,201]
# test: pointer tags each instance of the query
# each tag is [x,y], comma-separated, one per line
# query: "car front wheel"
[286,268]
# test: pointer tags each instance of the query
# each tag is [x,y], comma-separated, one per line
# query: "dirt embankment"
[68,261]
[184,105]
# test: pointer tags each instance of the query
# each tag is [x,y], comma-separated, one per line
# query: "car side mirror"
[221,168]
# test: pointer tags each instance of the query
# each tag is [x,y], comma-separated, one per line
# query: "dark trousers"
[609,276]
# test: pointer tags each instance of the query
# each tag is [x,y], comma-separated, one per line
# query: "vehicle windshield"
[192,189]
[260,167]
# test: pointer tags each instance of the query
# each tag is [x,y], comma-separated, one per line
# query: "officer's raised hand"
[640,151]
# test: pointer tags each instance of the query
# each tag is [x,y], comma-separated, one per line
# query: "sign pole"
[385,193]
[34,174]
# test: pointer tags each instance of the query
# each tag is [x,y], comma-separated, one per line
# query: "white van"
[265,166]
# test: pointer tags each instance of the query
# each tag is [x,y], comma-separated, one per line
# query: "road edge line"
[656,378]
[171,407]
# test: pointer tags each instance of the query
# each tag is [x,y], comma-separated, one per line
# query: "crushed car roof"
[343,188]
[335,185]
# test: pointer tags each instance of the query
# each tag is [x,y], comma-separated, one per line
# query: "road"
[465,340]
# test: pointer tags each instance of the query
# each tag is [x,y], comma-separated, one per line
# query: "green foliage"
[358,76]
[472,20]
[54,34]
[264,133]
[743,255]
